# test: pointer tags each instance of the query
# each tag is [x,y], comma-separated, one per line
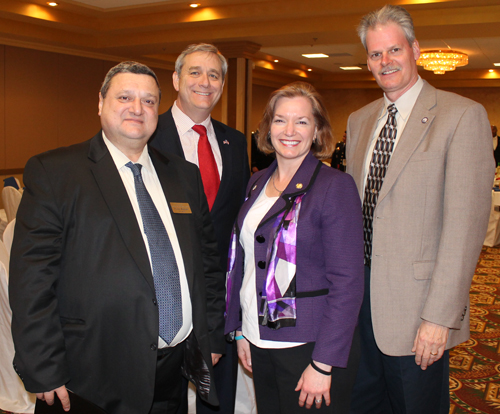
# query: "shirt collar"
[121,159]
[184,123]
[405,102]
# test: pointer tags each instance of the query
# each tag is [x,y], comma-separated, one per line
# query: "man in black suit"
[338,157]
[94,309]
[199,76]
[496,144]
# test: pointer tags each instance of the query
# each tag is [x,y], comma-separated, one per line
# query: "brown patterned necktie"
[378,167]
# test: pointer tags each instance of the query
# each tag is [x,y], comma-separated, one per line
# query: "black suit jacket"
[81,286]
[496,152]
[235,173]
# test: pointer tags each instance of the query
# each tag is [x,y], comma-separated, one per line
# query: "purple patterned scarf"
[278,307]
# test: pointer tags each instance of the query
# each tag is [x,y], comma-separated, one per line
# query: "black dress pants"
[168,380]
[396,384]
[276,373]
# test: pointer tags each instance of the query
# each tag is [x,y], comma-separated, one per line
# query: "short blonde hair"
[323,146]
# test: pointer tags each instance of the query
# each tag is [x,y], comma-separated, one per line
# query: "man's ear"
[175,81]
[101,101]
[416,50]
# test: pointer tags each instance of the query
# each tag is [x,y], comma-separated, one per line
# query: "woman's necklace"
[274,185]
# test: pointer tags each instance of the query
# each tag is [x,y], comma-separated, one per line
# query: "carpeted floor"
[475,365]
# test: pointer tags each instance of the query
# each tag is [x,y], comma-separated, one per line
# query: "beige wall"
[48,100]
[342,102]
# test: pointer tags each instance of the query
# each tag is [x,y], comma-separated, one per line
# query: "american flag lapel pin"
[225,142]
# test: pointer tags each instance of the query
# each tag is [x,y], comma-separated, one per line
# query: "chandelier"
[440,61]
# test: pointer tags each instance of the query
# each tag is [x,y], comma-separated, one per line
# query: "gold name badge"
[181,208]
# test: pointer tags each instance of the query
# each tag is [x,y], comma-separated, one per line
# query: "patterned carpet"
[475,365]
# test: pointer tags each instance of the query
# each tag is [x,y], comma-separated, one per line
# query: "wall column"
[237,97]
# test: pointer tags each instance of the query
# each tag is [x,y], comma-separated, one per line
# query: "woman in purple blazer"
[295,280]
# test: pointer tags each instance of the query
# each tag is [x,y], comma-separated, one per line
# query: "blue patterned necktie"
[378,167]
[165,271]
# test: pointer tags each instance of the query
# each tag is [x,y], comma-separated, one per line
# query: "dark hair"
[388,13]
[200,47]
[324,145]
[127,67]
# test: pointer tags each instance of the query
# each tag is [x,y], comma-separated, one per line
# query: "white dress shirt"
[189,138]
[404,105]
[152,183]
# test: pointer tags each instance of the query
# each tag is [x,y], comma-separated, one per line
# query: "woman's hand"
[314,386]
[243,347]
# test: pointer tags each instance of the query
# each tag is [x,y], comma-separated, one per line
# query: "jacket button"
[154,302]
[262,264]
[261,239]
[153,347]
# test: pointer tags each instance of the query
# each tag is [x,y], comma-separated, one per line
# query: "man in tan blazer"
[425,229]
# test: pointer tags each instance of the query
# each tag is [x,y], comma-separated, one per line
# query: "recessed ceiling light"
[52,3]
[309,70]
[496,64]
[491,70]
[276,60]
[350,68]
[315,55]
[195,5]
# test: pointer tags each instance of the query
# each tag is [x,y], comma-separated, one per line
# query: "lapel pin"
[298,186]
[254,187]
[424,120]
[225,142]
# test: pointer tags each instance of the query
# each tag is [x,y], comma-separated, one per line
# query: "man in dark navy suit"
[199,76]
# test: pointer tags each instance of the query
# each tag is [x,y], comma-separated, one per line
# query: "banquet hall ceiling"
[155,31]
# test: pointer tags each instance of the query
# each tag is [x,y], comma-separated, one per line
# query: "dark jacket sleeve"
[34,273]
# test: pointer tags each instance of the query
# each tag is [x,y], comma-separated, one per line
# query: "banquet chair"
[8,235]
[4,259]
[11,199]
[12,182]
[13,396]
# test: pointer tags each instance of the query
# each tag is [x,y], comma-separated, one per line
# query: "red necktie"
[208,166]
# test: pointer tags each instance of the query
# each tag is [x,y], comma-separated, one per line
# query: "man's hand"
[314,386]
[244,352]
[215,358]
[62,394]
[429,344]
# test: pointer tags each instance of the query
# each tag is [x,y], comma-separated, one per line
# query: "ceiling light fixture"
[52,3]
[276,60]
[195,5]
[350,68]
[496,64]
[440,61]
[309,70]
[315,55]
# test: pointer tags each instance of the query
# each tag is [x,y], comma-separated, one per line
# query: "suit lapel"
[113,191]
[174,192]
[225,151]
[171,141]
[415,130]
[257,187]
[363,146]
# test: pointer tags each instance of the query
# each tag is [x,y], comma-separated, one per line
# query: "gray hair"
[127,67]
[387,14]
[201,47]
